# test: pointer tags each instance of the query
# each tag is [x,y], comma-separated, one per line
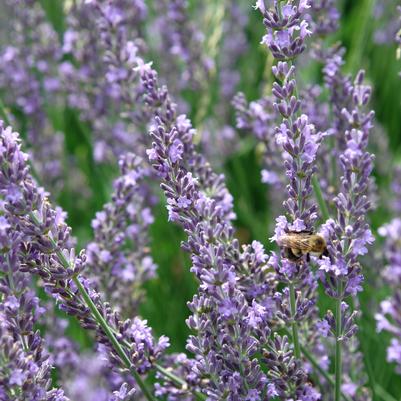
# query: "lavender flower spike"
[349,234]
[118,259]
[228,332]
[47,252]
[25,367]
[389,316]
[287,30]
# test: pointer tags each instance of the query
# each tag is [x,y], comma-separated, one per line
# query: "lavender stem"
[294,327]
[113,340]
[99,318]
[338,357]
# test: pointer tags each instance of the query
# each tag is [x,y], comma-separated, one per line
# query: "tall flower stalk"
[25,368]
[229,300]
[30,83]
[287,31]
[349,234]
[48,254]
[118,258]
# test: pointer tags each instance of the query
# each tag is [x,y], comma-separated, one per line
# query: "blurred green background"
[165,306]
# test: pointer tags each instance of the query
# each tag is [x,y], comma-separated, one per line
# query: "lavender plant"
[118,259]
[49,255]
[295,134]
[25,369]
[348,236]
[182,43]
[260,322]
[103,40]
[29,70]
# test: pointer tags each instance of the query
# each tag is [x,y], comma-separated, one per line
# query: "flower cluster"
[182,41]
[47,252]
[389,316]
[263,325]
[118,260]
[103,39]
[286,30]
[349,235]
[25,368]
[28,70]
[220,307]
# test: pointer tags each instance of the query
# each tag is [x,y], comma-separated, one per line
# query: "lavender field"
[200,200]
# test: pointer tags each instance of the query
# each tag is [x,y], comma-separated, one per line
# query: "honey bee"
[297,244]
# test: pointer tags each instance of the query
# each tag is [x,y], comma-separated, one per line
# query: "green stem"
[319,197]
[316,365]
[294,327]
[111,336]
[100,320]
[116,345]
[339,340]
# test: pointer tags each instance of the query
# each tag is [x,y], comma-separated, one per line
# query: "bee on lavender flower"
[296,244]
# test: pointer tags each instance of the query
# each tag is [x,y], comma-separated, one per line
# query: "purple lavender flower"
[47,252]
[25,369]
[349,235]
[286,31]
[104,38]
[340,88]
[225,325]
[388,318]
[182,44]
[300,143]
[29,80]
[118,259]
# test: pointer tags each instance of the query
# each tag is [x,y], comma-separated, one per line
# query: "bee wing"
[295,241]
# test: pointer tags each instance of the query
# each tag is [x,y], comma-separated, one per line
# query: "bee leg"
[289,254]
[324,253]
[308,257]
